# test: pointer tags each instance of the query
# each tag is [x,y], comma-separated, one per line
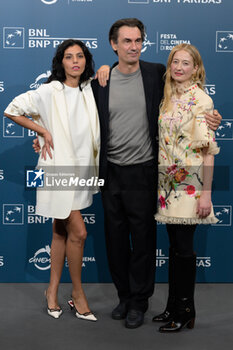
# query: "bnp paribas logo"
[11,129]
[13,37]
[13,214]
[225,130]
[224,215]
[224,41]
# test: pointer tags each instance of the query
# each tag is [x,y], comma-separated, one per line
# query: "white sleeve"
[25,104]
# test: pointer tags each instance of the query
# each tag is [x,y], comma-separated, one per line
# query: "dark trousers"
[129,201]
[181,238]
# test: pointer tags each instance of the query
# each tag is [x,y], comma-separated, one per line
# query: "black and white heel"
[55,313]
[88,316]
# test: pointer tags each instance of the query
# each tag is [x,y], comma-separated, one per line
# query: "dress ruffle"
[185,221]
[212,146]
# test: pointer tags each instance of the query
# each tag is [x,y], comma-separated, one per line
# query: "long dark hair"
[58,72]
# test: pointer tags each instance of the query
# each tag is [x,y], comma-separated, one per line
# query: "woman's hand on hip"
[48,144]
[36,145]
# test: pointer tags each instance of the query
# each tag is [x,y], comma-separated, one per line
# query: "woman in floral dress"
[186,158]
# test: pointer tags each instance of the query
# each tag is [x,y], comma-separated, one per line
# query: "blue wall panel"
[30,33]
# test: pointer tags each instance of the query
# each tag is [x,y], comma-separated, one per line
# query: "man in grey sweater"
[128,109]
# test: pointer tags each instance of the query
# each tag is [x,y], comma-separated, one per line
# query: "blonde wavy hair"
[198,77]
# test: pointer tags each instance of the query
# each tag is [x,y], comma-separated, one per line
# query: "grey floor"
[25,325]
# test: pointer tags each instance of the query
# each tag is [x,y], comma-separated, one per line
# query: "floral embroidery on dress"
[186,105]
[190,190]
[176,179]
[183,133]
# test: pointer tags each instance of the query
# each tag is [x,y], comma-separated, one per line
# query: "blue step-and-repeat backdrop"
[30,33]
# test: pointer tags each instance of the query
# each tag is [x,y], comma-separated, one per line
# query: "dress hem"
[185,221]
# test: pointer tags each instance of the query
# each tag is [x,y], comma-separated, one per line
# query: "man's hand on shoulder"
[102,75]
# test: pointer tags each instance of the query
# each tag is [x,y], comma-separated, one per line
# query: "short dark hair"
[58,72]
[129,22]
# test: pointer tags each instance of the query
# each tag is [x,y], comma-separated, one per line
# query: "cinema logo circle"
[49,2]
[41,259]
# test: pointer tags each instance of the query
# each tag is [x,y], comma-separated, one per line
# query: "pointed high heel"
[55,313]
[88,316]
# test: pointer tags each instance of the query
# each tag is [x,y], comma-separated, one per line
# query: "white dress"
[70,115]
[80,135]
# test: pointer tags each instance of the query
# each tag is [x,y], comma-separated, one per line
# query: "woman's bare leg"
[58,249]
[76,236]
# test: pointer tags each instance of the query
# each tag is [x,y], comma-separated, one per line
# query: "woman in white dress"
[186,159]
[64,115]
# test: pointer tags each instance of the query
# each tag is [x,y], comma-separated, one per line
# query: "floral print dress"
[183,133]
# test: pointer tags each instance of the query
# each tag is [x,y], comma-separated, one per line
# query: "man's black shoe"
[134,319]
[120,312]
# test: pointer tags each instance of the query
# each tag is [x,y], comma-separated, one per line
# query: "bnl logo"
[225,130]
[13,214]
[35,178]
[13,38]
[11,129]
[224,41]
[224,214]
